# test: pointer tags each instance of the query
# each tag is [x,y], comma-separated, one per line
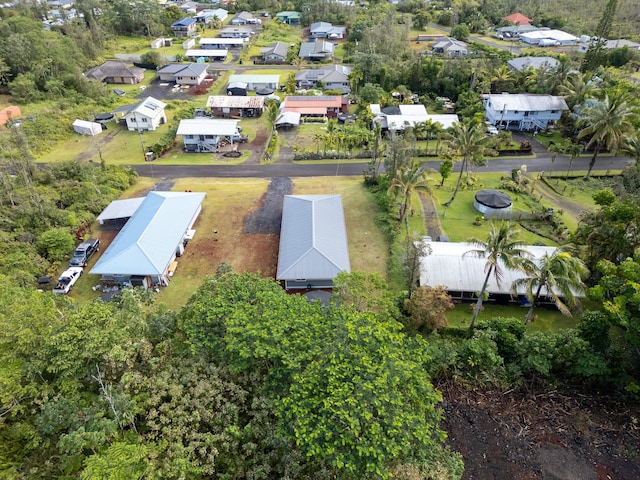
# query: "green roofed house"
[256,81]
[289,17]
[144,252]
[313,241]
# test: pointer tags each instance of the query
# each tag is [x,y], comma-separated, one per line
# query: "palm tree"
[355,77]
[467,140]
[501,79]
[298,62]
[576,89]
[574,150]
[608,123]
[503,249]
[631,148]
[410,179]
[559,274]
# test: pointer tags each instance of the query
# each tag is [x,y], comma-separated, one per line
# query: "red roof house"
[314,106]
[9,113]
[517,19]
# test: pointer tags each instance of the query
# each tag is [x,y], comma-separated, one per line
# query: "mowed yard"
[220,235]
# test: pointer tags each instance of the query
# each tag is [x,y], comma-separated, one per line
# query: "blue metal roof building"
[151,239]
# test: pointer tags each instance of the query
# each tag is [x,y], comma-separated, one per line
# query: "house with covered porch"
[205,135]
[523,111]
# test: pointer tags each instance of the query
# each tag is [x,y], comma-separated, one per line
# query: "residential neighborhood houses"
[357,240]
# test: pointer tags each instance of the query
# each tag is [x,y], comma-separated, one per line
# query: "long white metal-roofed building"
[463,275]
[313,241]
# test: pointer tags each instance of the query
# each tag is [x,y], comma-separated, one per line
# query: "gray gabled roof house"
[521,64]
[333,77]
[451,47]
[313,241]
[317,49]
[276,52]
[183,74]
[114,71]
[327,30]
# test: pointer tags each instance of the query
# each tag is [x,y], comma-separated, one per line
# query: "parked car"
[491,130]
[83,252]
[238,138]
[67,280]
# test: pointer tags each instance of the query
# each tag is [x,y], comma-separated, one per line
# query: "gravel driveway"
[268,217]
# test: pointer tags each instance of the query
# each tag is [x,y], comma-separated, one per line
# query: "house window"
[515,111]
[554,111]
[526,114]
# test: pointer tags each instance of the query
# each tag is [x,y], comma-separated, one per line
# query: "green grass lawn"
[546,320]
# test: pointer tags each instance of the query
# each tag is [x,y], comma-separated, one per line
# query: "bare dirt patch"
[545,436]
[267,218]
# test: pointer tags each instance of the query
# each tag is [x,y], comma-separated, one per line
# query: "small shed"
[492,201]
[189,44]
[84,127]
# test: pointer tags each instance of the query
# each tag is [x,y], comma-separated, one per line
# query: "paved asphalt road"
[542,163]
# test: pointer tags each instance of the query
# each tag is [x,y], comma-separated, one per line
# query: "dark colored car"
[84,251]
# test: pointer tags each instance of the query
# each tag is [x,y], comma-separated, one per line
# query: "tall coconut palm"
[607,124]
[410,179]
[502,249]
[467,140]
[559,275]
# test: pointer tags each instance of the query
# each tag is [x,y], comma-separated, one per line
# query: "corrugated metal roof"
[206,52]
[306,110]
[147,243]
[448,266]
[524,63]
[317,101]
[288,118]
[313,238]
[558,35]
[149,107]
[207,126]
[235,101]
[255,78]
[525,102]
[120,209]
[221,41]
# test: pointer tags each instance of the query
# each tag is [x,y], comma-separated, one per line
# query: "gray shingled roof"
[278,48]
[114,68]
[313,238]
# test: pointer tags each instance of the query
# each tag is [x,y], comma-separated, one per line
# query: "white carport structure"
[120,210]
[313,241]
[462,275]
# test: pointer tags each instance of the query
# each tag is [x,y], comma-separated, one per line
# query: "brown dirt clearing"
[545,436]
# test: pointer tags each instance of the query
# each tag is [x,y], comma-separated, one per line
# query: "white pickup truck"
[67,280]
